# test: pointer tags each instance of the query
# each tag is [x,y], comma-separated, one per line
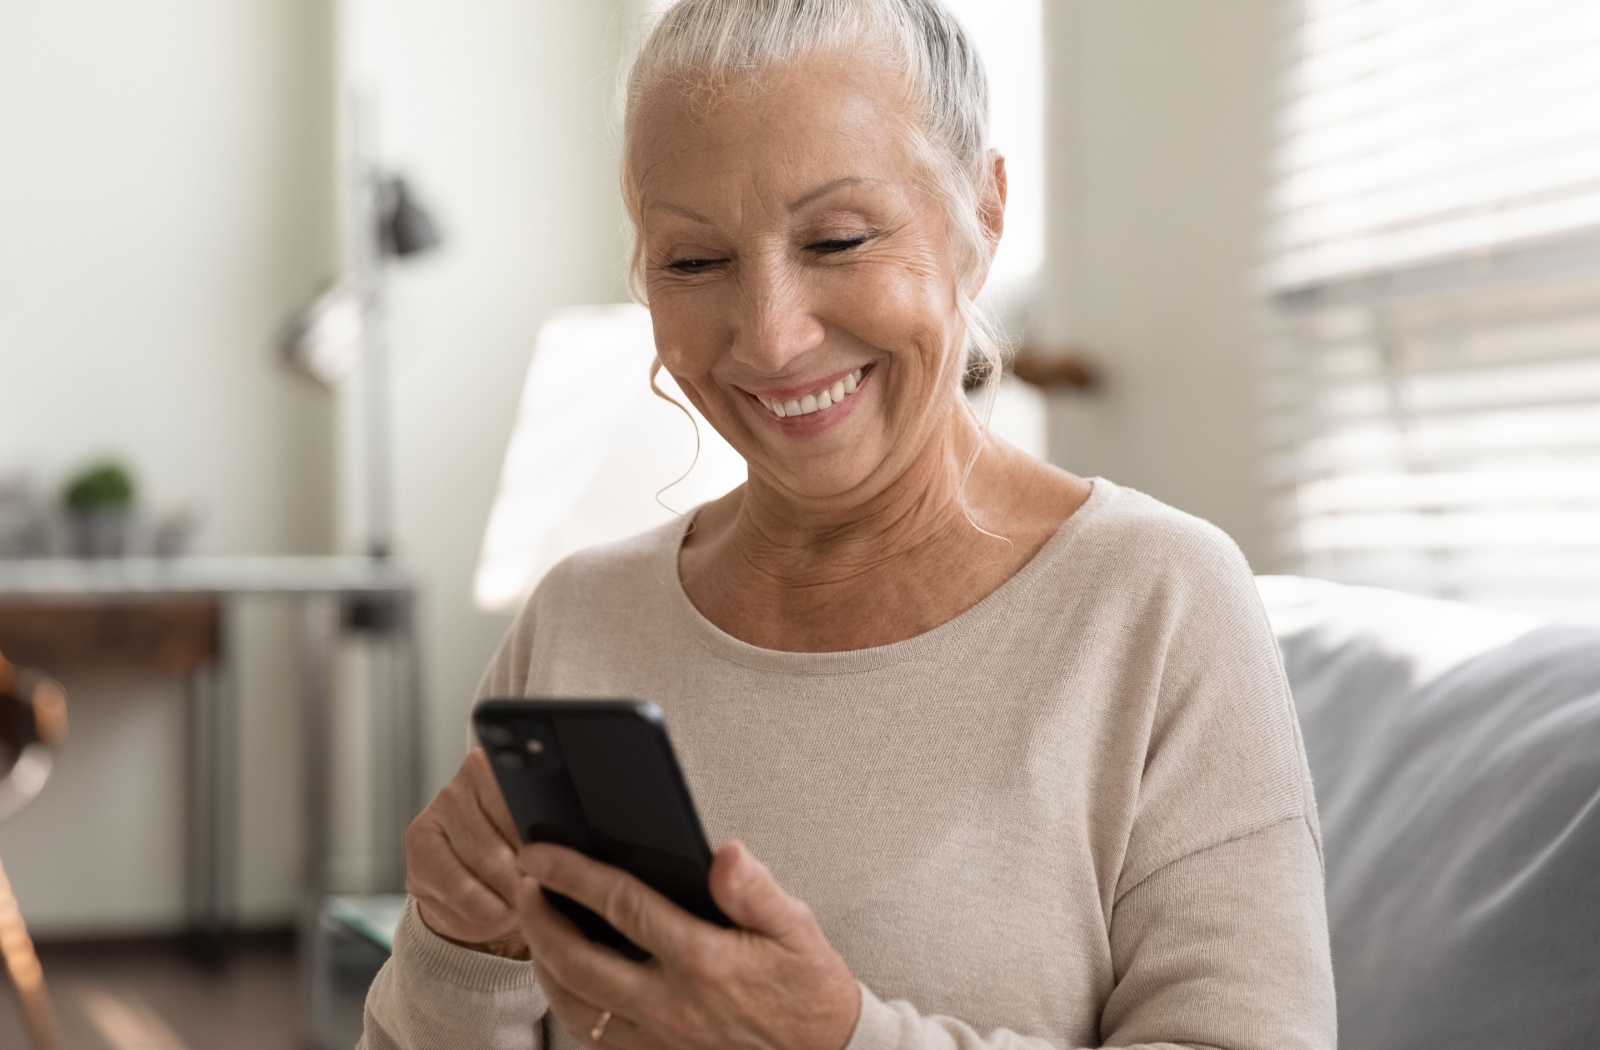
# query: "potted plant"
[100,511]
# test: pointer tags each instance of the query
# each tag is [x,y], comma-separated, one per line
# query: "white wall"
[1159,130]
[168,196]
[165,203]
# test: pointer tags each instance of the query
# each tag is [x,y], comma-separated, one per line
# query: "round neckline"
[850,661]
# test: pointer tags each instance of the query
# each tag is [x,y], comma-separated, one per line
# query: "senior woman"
[1013,748]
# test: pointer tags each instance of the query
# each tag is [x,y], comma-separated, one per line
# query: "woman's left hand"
[775,981]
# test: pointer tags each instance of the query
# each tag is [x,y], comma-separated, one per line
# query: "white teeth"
[827,397]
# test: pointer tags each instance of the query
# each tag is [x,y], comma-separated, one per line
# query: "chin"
[818,482]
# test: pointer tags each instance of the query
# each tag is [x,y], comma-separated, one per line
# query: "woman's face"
[800,279]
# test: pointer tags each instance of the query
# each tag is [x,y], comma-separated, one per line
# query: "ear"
[991,212]
[992,205]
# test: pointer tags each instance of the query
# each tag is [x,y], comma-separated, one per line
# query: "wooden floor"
[150,995]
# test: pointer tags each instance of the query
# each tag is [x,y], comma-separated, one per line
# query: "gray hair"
[698,40]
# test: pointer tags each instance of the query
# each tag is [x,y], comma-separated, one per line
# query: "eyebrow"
[794,206]
[678,209]
[827,188]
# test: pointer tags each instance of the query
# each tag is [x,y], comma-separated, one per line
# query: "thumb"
[748,894]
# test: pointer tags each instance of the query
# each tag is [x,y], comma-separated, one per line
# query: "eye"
[837,245]
[693,265]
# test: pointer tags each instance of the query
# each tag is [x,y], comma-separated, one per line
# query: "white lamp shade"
[326,340]
[592,448]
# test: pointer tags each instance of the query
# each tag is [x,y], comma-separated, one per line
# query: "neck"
[918,511]
[803,575]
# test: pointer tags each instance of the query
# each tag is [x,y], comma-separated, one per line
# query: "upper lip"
[789,392]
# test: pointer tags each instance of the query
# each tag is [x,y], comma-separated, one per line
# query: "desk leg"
[319,633]
[407,772]
[211,808]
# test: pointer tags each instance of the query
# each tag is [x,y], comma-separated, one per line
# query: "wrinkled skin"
[788,238]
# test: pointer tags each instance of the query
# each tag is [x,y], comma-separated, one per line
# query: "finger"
[481,849]
[638,912]
[438,915]
[749,894]
[581,1016]
[491,800]
[436,876]
[472,923]
[458,891]
[586,969]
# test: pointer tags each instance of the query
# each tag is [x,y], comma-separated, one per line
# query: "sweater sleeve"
[1225,949]
[434,995]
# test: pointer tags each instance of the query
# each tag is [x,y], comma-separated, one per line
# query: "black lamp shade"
[405,227]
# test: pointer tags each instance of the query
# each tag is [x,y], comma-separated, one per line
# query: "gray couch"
[1455,752]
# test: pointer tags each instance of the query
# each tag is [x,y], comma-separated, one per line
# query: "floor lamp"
[345,327]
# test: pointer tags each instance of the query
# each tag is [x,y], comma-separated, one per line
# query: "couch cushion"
[1456,757]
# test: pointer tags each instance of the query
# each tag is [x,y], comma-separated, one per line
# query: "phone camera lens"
[497,735]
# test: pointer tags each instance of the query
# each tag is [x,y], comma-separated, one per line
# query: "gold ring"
[599,1030]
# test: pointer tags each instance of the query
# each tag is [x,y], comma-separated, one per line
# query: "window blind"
[1420,130]
[1433,267]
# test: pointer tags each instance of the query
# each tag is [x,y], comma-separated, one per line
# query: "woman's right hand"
[461,863]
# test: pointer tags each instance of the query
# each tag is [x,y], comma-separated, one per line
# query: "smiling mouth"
[819,400]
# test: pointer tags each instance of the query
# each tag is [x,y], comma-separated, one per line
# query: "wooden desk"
[173,613]
[178,634]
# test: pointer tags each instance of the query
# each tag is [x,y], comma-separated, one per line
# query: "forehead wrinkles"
[826,92]
[759,156]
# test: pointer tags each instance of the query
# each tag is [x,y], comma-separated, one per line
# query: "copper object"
[1069,370]
[33,722]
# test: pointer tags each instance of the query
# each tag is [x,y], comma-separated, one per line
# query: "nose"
[777,323]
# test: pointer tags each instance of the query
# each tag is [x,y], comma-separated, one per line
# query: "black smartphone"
[600,777]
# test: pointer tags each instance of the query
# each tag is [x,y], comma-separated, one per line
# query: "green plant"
[103,486]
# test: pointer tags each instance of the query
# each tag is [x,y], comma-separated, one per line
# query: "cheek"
[688,332]
[903,310]
[691,337]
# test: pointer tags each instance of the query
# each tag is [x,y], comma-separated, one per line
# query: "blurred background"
[1324,272]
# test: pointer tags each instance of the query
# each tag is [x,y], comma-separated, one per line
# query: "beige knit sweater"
[1076,815]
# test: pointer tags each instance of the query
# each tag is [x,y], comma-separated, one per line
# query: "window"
[1434,275]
